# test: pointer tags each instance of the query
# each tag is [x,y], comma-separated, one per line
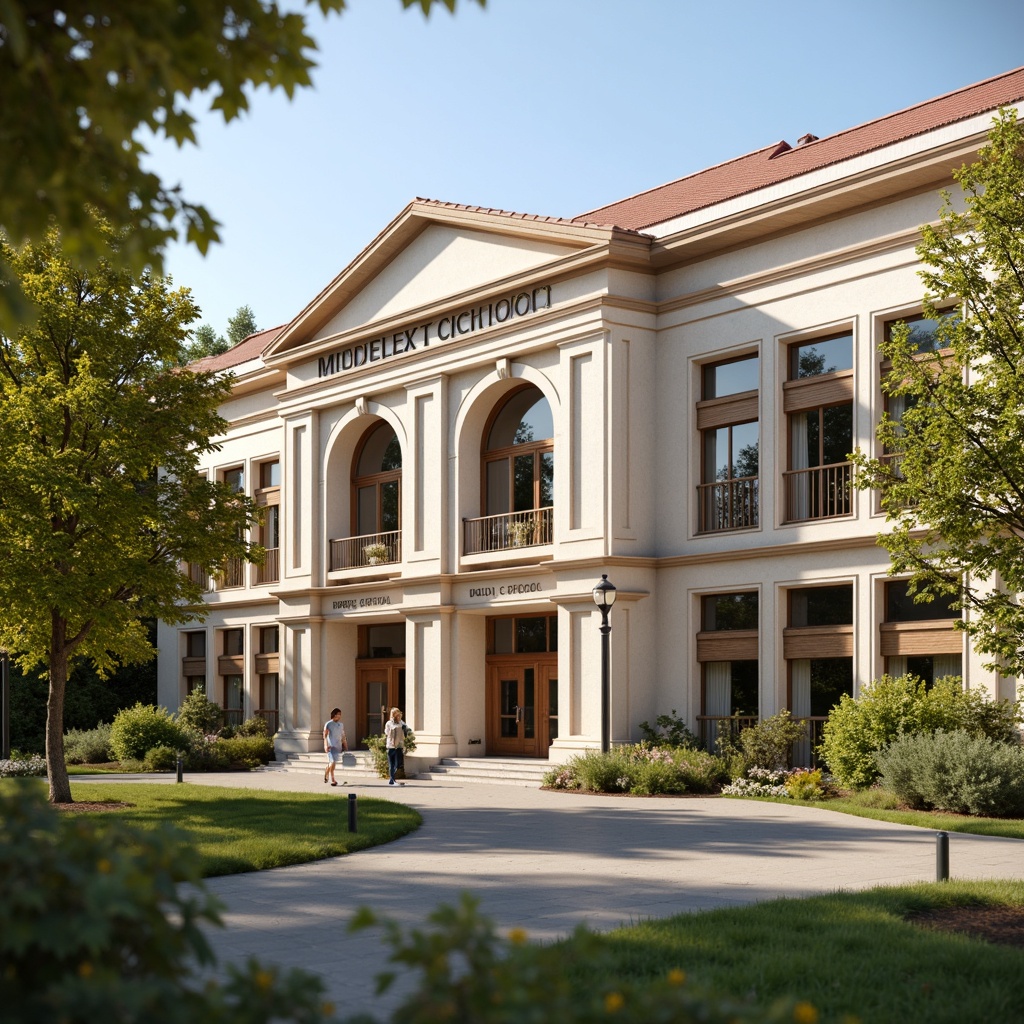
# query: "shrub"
[379,752]
[88,746]
[160,759]
[894,706]
[206,754]
[255,726]
[957,772]
[668,731]
[29,766]
[759,782]
[246,751]
[802,784]
[200,714]
[640,769]
[769,744]
[131,942]
[137,730]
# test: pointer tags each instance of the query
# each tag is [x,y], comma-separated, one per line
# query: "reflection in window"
[821,606]
[924,331]
[823,355]
[728,611]
[376,483]
[519,455]
[731,378]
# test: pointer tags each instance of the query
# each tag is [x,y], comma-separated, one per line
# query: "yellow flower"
[85,969]
[613,1002]
[676,977]
[804,1013]
[517,936]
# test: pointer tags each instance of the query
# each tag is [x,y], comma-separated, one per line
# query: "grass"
[236,830]
[882,806]
[854,956]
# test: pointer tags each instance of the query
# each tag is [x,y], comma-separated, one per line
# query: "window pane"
[528,704]
[731,378]
[552,709]
[729,611]
[497,487]
[837,440]
[233,641]
[531,635]
[269,639]
[386,641]
[235,479]
[924,336]
[389,506]
[381,452]
[195,645]
[547,479]
[272,532]
[821,606]
[823,355]
[503,636]
[523,483]
[744,688]
[232,693]
[716,455]
[270,474]
[901,607]
[744,449]
[830,679]
[366,499]
[525,418]
[553,633]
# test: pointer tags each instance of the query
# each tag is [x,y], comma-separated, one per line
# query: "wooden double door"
[522,705]
[380,686]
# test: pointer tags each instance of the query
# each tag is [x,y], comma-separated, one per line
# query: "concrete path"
[547,861]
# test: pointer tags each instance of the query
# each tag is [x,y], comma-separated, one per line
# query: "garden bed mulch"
[1001,925]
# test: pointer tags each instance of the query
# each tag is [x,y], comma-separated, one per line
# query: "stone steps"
[354,764]
[495,771]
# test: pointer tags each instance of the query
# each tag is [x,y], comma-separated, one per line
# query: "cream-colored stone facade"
[428,550]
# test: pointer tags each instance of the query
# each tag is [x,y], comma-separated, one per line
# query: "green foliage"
[92,534]
[255,726]
[769,744]
[22,767]
[954,491]
[138,730]
[247,751]
[95,924]
[803,784]
[88,746]
[206,755]
[160,759]
[84,147]
[205,342]
[198,713]
[668,731]
[465,972]
[957,772]
[640,769]
[856,729]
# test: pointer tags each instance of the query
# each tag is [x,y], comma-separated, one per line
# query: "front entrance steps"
[495,771]
[355,764]
[358,764]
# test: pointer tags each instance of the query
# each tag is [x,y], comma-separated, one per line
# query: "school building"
[487,411]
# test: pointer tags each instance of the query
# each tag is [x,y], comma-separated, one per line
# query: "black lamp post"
[604,598]
[5,706]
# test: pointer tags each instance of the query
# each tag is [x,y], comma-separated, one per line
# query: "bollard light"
[352,824]
[941,857]
[180,767]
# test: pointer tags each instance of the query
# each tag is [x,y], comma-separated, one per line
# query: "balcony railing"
[367,549]
[507,531]
[269,715]
[232,717]
[803,754]
[727,504]
[197,574]
[270,570]
[822,492]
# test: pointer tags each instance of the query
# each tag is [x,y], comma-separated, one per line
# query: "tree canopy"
[207,342]
[79,80]
[92,537]
[952,478]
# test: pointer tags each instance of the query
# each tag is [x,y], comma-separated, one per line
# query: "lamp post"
[5,706]
[604,598]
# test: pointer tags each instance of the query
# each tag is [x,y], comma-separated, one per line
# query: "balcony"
[270,570]
[507,531]
[368,549]
[727,504]
[822,492]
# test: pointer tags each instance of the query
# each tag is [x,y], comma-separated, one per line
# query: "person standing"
[394,742]
[334,743]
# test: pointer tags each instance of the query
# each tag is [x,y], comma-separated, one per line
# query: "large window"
[518,469]
[376,496]
[727,420]
[919,637]
[268,497]
[232,574]
[818,644]
[528,634]
[818,400]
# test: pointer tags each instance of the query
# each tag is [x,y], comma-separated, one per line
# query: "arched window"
[377,482]
[519,455]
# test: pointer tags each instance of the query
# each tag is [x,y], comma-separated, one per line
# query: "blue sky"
[551,107]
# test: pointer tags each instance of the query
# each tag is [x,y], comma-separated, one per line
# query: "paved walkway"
[547,861]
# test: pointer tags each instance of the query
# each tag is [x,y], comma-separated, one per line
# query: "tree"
[92,536]
[78,81]
[241,325]
[952,483]
[205,342]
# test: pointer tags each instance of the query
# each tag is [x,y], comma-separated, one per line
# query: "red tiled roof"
[780,161]
[248,348]
[574,221]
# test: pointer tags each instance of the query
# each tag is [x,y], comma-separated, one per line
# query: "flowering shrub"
[805,784]
[22,767]
[759,782]
[641,769]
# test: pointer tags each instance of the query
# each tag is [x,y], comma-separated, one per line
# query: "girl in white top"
[334,743]
[394,742]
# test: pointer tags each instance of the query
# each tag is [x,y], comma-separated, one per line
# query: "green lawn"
[248,830]
[851,955]
[883,806]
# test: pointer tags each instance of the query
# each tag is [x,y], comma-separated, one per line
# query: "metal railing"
[270,570]
[367,549]
[509,530]
[727,504]
[822,492]
[270,716]
[803,755]
[232,716]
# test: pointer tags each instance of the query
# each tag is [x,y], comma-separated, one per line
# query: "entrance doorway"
[380,686]
[522,707]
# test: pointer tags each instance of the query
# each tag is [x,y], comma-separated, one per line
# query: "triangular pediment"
[430,253]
